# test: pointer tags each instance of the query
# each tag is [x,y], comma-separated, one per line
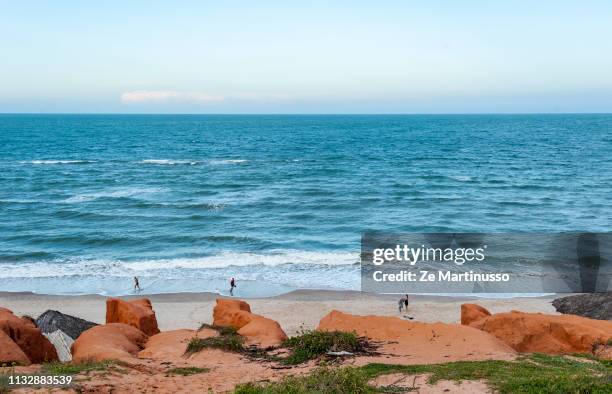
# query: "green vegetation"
[347,380]
[186,371]
[221,330]
[59,368]
[535,373]
[4,381]
[231,343]
[228,340]
[312,344]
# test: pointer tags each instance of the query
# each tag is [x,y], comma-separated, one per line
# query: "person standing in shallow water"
[136,284]
[232,285]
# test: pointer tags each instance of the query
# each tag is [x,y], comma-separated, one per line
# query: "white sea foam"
[228,161]
[227,259]
[168,162]
[113,193]
[57,162]
[222,260]
[461,178]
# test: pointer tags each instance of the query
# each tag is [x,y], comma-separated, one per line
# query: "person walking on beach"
[406,302]
[400,304]
[232,285]
[136,284]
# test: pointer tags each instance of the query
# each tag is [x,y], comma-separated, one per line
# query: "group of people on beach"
[402,303]
[232,285]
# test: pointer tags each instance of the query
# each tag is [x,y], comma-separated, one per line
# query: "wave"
[222,260]
[57,162]
[229,259]
[461,178]
[169,162]
[116,193]
[228,161]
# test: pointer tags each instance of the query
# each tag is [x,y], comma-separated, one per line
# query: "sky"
[305,57]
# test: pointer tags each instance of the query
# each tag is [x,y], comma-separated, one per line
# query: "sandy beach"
[295,310]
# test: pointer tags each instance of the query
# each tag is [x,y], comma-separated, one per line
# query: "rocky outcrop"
[427,342]
[114,341]
[27,337]
[167,344]
[136,313]
[552,334]
[51,321]
[234,313]
[594,306]
[62,343]
[172,344]
[257,330]
[10,353]
[472,312]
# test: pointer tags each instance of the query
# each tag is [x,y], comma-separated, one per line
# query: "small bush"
[311,344]
[231,343]
[186,371]
[347,380]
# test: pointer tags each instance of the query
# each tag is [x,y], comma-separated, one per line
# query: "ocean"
[185,202]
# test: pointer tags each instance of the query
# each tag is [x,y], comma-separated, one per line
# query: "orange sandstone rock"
[136,313]
[552,334]
[114,341]
[231,313]
[472,312]
[257,330]
[27,337]
[10,352]
[410,341]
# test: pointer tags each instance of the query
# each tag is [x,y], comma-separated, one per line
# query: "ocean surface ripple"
[279,202]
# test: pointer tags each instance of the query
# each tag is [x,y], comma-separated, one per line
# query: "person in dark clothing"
[232,285]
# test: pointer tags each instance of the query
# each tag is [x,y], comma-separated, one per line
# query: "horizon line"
[304,113]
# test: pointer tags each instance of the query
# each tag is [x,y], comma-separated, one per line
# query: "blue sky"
[306,57]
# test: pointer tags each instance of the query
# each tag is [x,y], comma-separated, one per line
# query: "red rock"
[136,313]
[11,353]
[472,312]
[27,337]
[552,334]
[257,330]
[114,341]
[172,344]
[234,313]
[408,341]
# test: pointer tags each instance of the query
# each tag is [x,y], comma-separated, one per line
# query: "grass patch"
[221,330]
[230,343]
[312,344]
[187,371]
[228,340]
[347,380]
[59,368]
[536,373]
[4,382]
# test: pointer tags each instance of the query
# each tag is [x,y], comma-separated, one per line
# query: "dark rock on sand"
[594,306]
[27,337]
[51,321]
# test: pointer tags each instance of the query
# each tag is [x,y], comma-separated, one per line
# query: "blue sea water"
[280,202]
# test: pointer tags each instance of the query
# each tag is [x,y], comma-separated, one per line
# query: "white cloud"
[168,96]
